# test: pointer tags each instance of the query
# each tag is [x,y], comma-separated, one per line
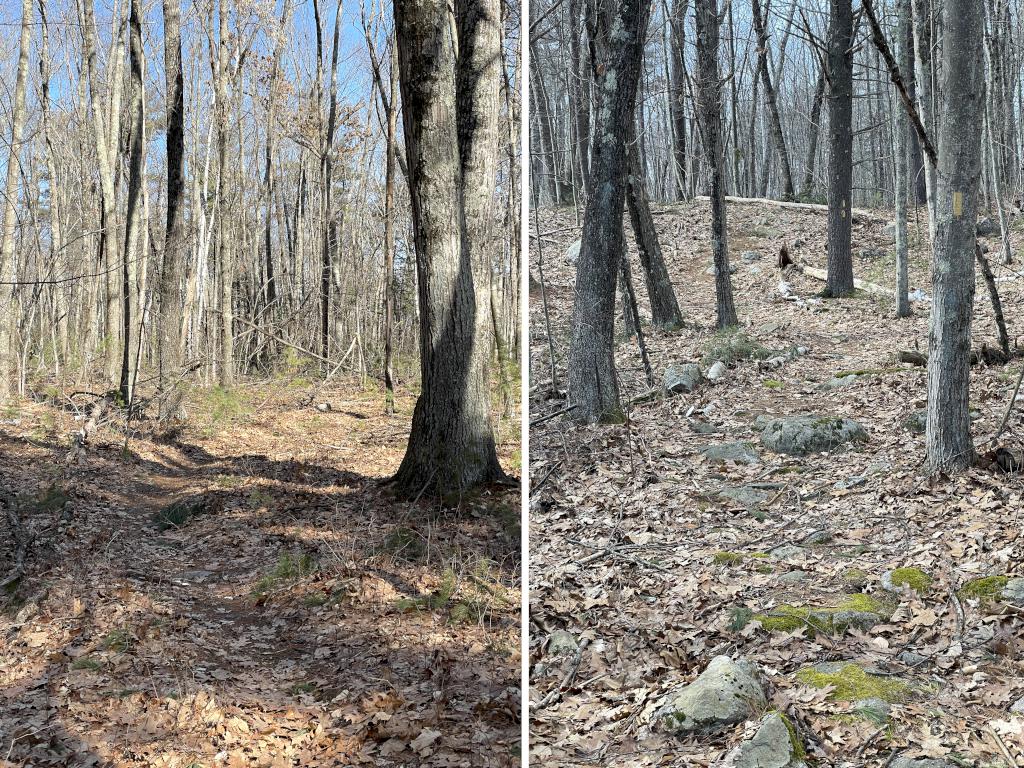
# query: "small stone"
[917,421]
[793,577]
[739,452]
[744,495]
[561,642]
[785,552]
[755,270]
[872,254]
[717,371]
[911,659]
[1017,707]
[927,762]
[773,746]
[875,710]
[702,427]
[899,578]
[573,252]
[750,256]
[683,378]
[1013,592]
[817,538]
[851,482]
[323,407]
[855,578]
[725,693]
[839,382]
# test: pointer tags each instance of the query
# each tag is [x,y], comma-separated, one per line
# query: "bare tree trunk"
[778,138]
[389,235]
[678,94]
[926,105]
[807,190]
[709,107]
[328,243]
[948,432]
[169,342]
[8,273]
[133,217]
[451,444]
[840,156]
[617,31]
[225,249]
[901,132]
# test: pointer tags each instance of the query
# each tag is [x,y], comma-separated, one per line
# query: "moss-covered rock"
[851,683]
[985,590]
[729,558]
[855,610]
[774,745]
[855,578]
[726,692]
[801,435]
[915,578]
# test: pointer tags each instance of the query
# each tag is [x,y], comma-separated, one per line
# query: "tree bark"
[389,233]
[840,156]
[169,342]
[9,233]
[451,445]
[678,94]
[709,108]
[948,433]
[617,30]
[775,122]
[901,155]
[925,97]
[807,190]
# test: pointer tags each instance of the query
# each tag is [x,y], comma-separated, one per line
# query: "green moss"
[985,589]
[915,578]
[731,345]
[772,383]
[288,568]
[852,683]
[728,558]
[830,619]
[85,662]
[855,577]
[794,738]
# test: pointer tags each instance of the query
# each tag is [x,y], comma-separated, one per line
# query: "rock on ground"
[927,762]
[683,378]
[740,452]
[573,252]
[1013,592]
[801,435]
[773,746]
[717,371]
[560,641]
[725,693]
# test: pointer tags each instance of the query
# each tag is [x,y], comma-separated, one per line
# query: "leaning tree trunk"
[451,445]
[709,95]
[617,29]
[948,433]
[840,156]
[169,341]
[664,307]
[9,232]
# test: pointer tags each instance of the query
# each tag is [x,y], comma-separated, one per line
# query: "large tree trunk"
[709,107]
[677,94]
[948,433]
[133,214]
[389,234]
[664,307]
[451,445]
[225,248]
[617,31]
[7,236]
[807,190]
[169,342]
[840,156]
[778,138]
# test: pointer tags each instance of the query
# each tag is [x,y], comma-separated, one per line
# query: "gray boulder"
[917,421]
[744,495]
[725,693]
[773,746]
[987,227]
[573,252]
[750,256]
[1013,591]
[561,642]
[1017,707]
[717,371]
[683,378]
[839,382]
[740,452]
[924,762]
[801,435]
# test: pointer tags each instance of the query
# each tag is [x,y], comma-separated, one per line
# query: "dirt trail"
[654,557]
[247,594]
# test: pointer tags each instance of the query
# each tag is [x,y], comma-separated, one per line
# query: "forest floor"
[245,592]
[641,570]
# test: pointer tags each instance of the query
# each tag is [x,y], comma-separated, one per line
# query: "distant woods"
[913,105]
[201,191]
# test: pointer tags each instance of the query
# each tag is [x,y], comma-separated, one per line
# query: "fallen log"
[862,213]
[860,285]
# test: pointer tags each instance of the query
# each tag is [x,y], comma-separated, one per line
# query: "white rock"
[717,371]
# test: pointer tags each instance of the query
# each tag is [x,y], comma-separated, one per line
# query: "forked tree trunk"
[709,99]
[664,307]
[617,29]
[169,342]
[9,232]
[948,432]
[451,445]
[840,155]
